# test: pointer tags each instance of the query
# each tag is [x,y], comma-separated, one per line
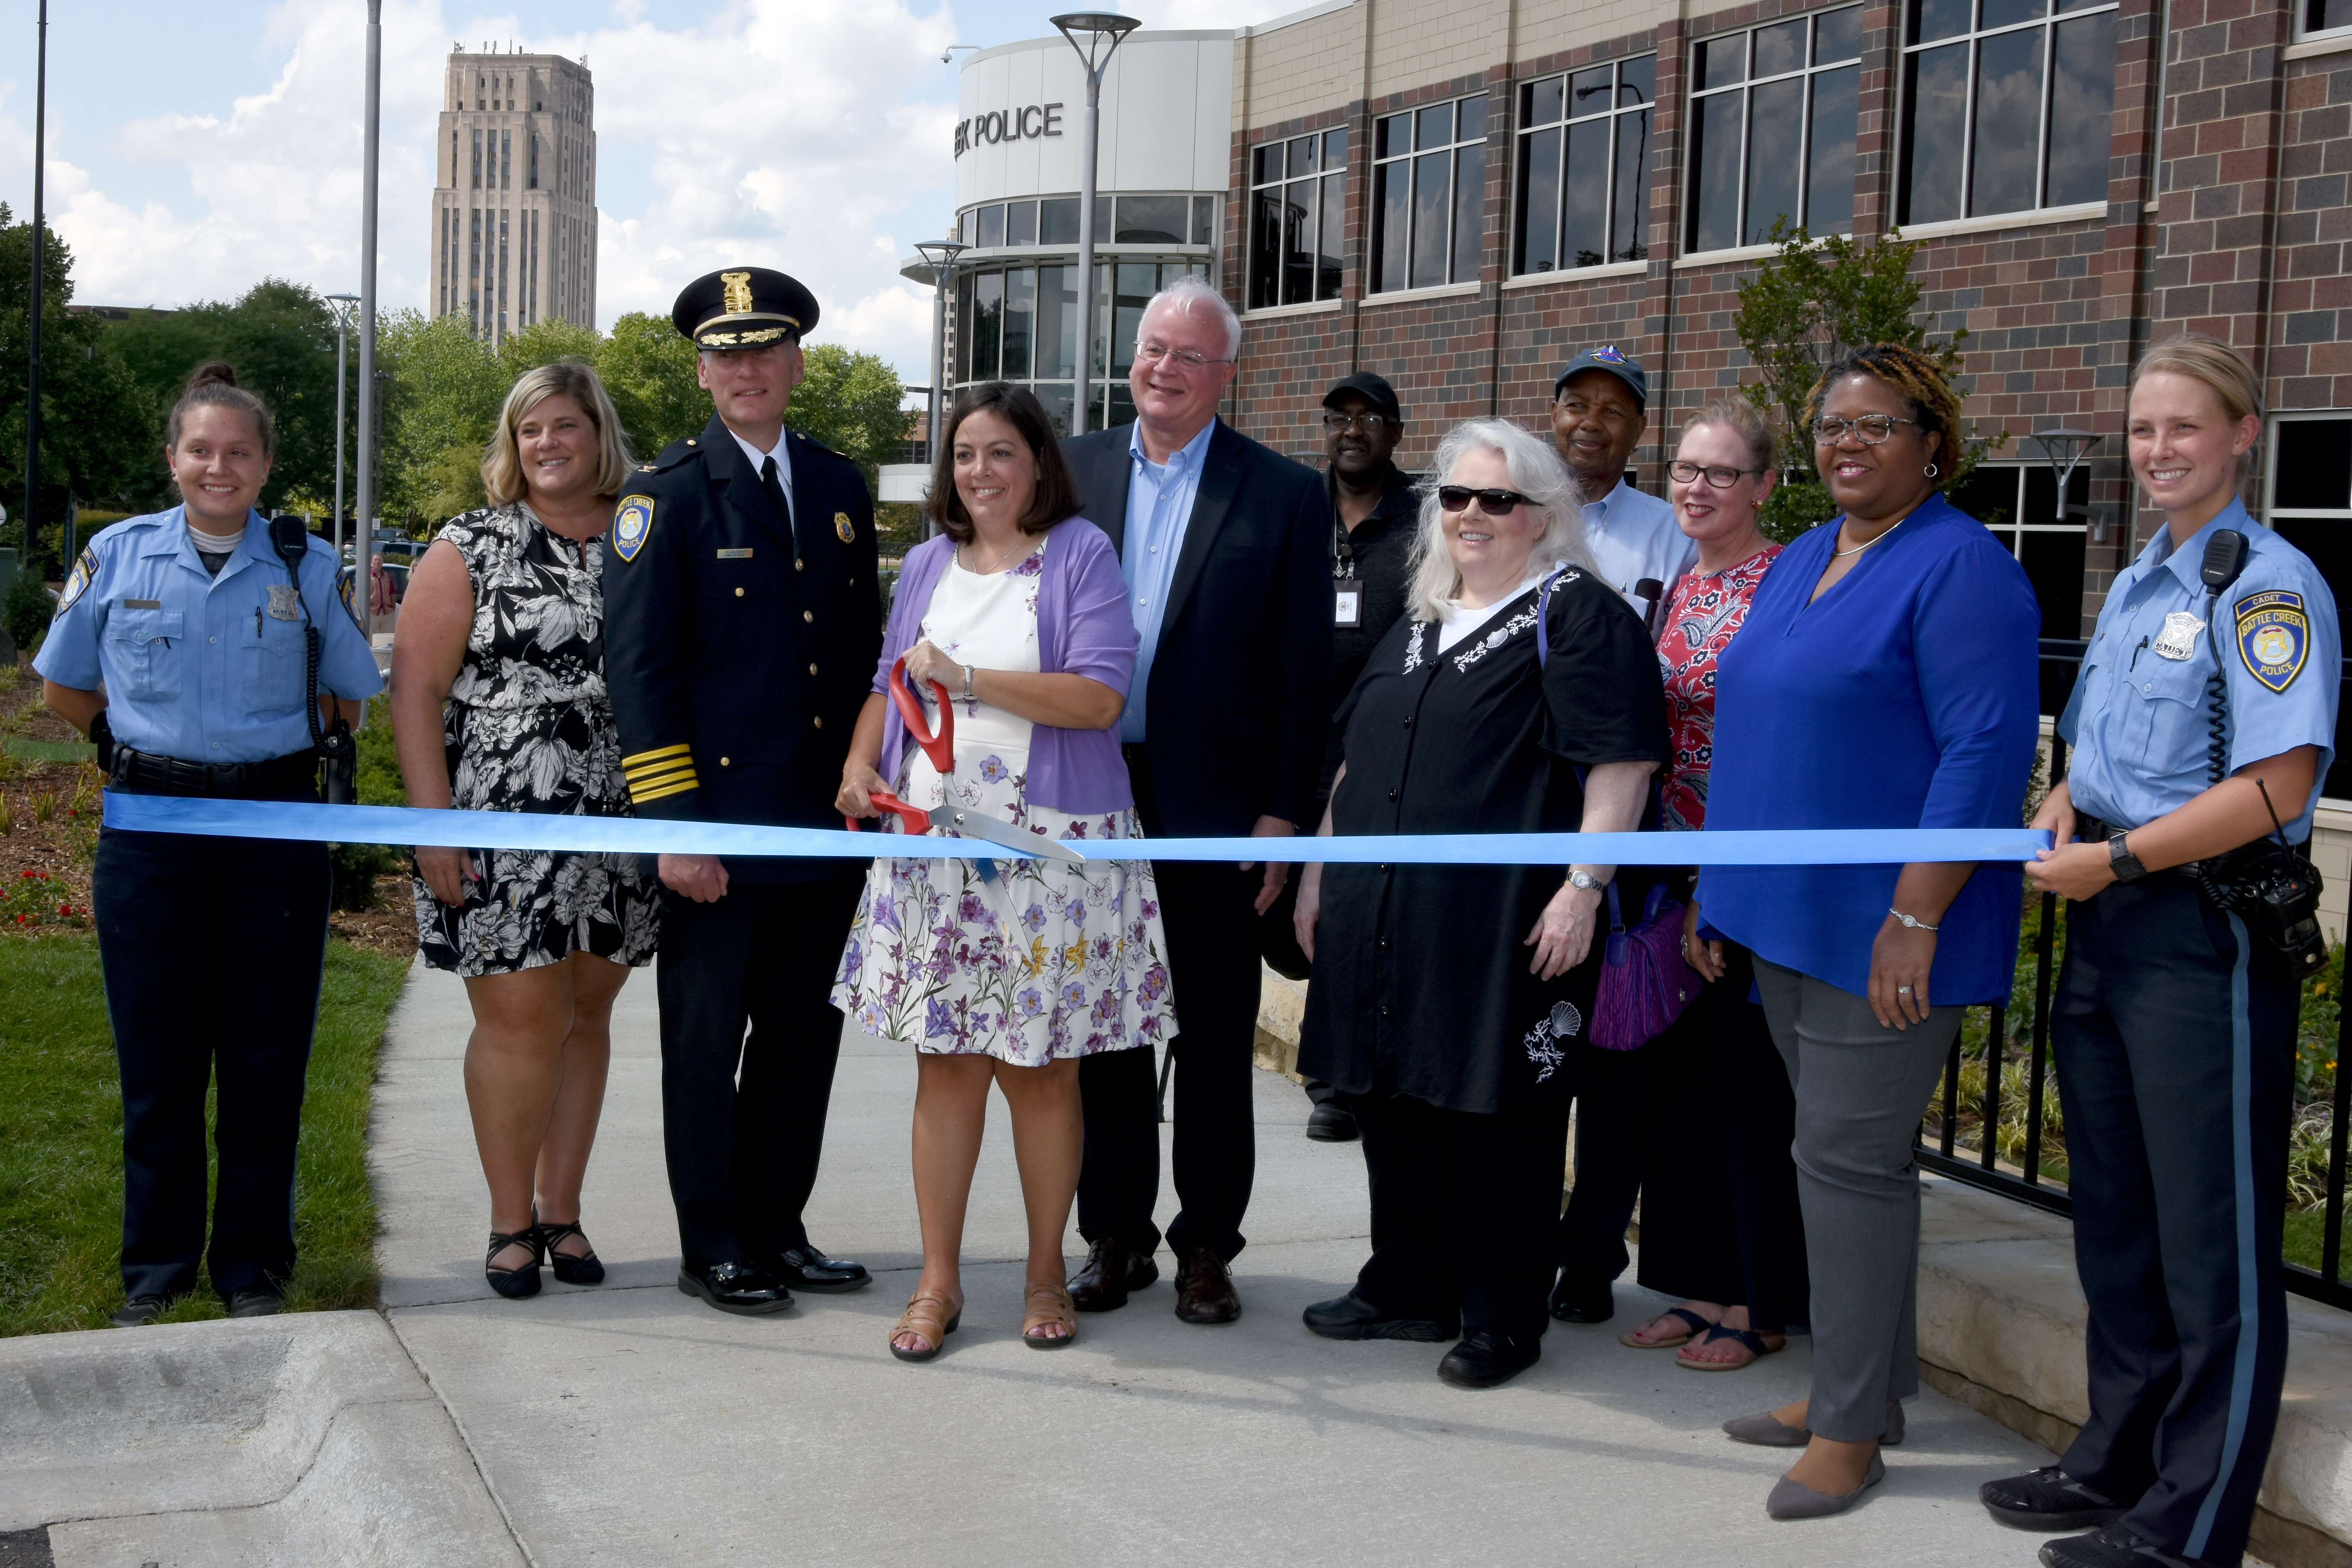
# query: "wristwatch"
[2123,862]
[1585,881]
[968,697]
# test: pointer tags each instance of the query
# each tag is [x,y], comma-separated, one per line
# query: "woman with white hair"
[1517,695]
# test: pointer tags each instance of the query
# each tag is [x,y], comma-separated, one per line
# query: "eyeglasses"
[1190,359]
[1369,424]
[1722,479]
[1872,428]
[1494,503]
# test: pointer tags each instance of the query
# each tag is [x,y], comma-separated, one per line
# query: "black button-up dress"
[1421,984]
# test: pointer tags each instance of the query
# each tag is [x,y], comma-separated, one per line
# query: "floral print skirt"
[1045,960]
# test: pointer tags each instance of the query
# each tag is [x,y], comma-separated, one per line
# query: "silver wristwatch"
[968,697]
[1585,881]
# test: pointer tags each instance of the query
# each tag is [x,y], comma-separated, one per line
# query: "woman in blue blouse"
[1885,678]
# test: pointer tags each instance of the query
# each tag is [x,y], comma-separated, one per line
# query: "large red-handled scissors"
[962,821]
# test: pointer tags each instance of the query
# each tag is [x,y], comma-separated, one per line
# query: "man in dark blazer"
[1226,551]
[742,617]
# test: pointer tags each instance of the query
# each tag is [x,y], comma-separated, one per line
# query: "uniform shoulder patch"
[632,523]
[347,588]
[2273,635]
[79,581]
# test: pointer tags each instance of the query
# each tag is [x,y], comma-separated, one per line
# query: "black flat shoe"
[1488,1359]
[808,1268]
[1579,1301]
[584,1268]
[2048,1499]
[260,1302]
[1330,1123]
[137,1312]
[1350,1317]
[514,1284]
[735,1288]
[2113,1547]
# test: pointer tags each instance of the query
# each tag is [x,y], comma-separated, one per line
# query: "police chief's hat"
[1372,389]
[744,307]
[1608,357]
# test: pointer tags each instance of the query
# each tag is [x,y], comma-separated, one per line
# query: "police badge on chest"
[285,602]
[2179,638]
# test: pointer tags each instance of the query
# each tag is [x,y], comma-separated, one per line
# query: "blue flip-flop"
[1698,1326]
[1752,1337]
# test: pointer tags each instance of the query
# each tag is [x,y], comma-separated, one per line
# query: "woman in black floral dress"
[504,625]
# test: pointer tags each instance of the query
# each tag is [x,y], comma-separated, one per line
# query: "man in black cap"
[1373,511]
[742,618]
[1598,409]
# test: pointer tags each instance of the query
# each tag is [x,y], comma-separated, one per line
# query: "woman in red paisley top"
[1720,1227]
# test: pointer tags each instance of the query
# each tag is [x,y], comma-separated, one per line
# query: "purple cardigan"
[1084,628]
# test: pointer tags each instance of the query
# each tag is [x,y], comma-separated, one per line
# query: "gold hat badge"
[737,286]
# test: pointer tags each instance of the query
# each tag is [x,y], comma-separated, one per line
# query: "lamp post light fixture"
[342,304]
[940,255]
[2064,450]
[1095,36]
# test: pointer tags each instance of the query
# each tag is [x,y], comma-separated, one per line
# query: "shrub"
[26,609]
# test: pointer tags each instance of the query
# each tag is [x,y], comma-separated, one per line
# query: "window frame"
[1379,164]
[2305,30]
[1973,38]
[1523,129]
[1807,71]
[2271,511]
[1317,178]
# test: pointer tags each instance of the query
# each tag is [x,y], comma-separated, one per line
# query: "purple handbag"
[1644,984]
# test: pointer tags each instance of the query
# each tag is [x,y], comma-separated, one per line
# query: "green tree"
[440,407]
[1804,310]
[99,444]
[850,402]
[648,369]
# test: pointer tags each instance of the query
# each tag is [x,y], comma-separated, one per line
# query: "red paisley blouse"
[1702,615]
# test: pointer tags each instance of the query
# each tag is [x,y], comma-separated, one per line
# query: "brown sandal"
[931,1317]
[1048,1306]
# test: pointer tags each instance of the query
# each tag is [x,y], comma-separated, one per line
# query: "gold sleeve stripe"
[654,755]
[662,776]
[656,792]
[663,765]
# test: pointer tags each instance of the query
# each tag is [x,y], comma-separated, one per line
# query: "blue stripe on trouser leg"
[2174,1039]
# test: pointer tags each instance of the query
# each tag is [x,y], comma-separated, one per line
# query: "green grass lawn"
[61,1140]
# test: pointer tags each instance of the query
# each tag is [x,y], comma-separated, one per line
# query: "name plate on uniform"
[744,555]
[1346,603]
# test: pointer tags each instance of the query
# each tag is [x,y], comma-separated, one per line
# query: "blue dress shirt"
[1632,535]
[1159,507]
[203,669]
[1905,696]
[2139,719]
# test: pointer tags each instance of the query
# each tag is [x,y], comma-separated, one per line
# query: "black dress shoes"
[2113,1547]
[137,1312]
[262,1302]
[1487,1359]
[808,1268]
[1108,1274]
[2048,1499]
[1583,1301]
[735,1288]
[1330,1123]
[1204,1288]
[1350,1317]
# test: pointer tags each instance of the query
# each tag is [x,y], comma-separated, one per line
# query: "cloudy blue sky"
[193,151]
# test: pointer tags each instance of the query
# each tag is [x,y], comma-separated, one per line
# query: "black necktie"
[769,477]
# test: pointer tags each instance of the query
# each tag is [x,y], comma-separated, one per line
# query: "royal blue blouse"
[1905,696]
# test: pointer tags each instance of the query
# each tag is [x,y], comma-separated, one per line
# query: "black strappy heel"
[585,1269]
[514,1284]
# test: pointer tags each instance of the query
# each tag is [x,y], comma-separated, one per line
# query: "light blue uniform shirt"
[203,669]
[2140,718]
[1159,506]
[1632,535]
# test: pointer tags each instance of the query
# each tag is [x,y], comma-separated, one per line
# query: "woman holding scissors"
[1012,629]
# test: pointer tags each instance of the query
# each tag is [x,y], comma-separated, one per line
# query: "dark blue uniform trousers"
[2174,1042]
[186,1007]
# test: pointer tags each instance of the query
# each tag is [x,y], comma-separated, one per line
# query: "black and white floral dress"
[529,728]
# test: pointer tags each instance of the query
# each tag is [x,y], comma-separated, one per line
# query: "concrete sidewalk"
[628,1424]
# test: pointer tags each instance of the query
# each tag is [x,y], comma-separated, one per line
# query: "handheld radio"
[335,745]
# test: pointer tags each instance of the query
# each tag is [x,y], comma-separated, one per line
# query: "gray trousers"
[1860,1090]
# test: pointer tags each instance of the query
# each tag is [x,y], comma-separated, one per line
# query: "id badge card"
[1346,603]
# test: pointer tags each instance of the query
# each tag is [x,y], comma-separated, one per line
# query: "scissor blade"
[997,830]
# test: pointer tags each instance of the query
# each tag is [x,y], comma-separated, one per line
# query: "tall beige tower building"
[514,203]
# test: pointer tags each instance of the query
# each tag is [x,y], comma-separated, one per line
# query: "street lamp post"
[40,259]
[342,304]
[367,420]
[939,255]
[1101,31]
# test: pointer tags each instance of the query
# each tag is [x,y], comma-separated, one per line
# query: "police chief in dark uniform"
[743,615]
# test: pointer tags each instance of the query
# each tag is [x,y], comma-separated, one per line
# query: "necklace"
[1841,554]
[998,565]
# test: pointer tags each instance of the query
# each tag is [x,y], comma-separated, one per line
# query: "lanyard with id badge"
[1347,593]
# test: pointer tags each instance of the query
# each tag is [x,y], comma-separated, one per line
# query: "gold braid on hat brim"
[705,337]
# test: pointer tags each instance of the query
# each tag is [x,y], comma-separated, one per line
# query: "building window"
[1119,220]
[1773,116]
[506,160]
[2310,493]
[477,160]
[1584,167]
[1298,211]
[2019,502]
[533,181]
[2326,16]
[2009,115]
[1021,323]
[1429,196]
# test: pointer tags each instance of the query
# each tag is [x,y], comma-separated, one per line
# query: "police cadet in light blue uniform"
[2189,928]
[184,635]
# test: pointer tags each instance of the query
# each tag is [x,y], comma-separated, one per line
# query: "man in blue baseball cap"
[1599,407]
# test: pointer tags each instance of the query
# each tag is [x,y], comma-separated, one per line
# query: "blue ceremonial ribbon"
[405,825]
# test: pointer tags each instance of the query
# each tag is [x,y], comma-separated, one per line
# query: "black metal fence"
[1941,1151]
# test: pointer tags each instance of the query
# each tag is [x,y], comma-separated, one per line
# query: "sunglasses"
[1494,503]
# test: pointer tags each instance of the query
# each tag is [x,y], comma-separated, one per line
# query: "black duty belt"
[2091,830]
[144,772]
